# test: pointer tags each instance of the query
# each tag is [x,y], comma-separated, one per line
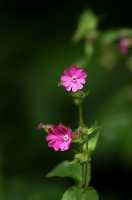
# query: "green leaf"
[87,24]
[90,194]
[65,169]
[111,36]
[74,193]
[93,128]
[92,143]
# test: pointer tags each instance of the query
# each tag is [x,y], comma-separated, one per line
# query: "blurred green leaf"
[92,143]
[88,48]
[87,24]
[112,35]
[74,193]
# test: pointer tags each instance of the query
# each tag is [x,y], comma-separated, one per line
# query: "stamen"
[66,137]
[74,78]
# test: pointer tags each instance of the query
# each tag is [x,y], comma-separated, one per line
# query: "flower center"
[74,78]
[66,137]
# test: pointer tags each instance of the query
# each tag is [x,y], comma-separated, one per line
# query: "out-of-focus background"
[36,46]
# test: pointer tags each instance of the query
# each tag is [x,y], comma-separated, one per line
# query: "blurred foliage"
[32,60]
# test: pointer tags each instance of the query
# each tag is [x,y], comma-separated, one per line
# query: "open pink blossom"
[59,137]
[73,78]
[124,45]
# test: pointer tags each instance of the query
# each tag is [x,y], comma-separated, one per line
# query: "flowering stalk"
[60,137]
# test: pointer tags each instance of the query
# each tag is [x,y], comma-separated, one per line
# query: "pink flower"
[123,45]
[73,78]
[59,137]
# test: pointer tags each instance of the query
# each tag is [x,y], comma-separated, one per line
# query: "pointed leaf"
[90,194]
[74,193]
[92,143]
[93,128]
[66,169]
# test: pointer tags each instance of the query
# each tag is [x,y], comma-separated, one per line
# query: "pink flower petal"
[64,146]
[74,87]
[65,78]
[81,80]
[69,132]
[67,72]
[59,134]
[78,71]
[80,86]
[56,146]
[64,130]
[56,130]
[60,125]
[73,69]
[68,88]
[51,130]
[66,83]
[51,143]
[82,75]
[50,137]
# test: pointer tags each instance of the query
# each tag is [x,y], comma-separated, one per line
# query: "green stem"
[81,146]
[80,115]
[82,167]
[86,168]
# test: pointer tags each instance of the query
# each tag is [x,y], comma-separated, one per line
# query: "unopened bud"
[83,158]
[75,135]
[83,130]
[45,127]
[40,126]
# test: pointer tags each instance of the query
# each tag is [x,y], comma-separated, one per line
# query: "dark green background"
[36,47]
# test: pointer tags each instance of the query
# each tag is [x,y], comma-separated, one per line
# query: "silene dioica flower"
[59,137]
[73,78]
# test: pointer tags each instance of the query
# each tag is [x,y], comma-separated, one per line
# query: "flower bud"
[79,94]
[75,135]
[40,126]
[82,158]
[45,127]
[83,130]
